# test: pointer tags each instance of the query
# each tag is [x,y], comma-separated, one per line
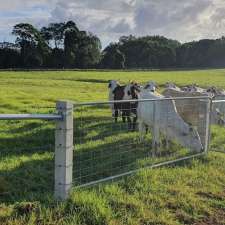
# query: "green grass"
[188,193]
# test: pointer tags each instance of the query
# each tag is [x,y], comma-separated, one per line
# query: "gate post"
[63,150]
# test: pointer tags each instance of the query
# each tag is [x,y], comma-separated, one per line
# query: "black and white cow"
[128,109]
[112,85]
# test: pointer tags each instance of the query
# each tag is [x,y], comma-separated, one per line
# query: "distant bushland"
[65,46]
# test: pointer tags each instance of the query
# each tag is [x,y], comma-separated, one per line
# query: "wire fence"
[217,136]
[111,139]
[107,146]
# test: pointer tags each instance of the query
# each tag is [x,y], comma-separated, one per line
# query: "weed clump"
[25,208]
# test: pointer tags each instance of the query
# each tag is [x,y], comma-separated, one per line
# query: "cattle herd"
[175,119]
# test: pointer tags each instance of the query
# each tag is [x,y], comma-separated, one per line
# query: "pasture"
[188,193]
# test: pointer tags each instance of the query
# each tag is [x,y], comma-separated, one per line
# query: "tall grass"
[192,192]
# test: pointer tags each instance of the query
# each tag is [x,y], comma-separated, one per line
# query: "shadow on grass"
[83,131]
[119,155]
[31,181]
[117,152]
[26,138]
[100,81]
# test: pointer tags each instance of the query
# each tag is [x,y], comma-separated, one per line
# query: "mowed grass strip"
[188,193]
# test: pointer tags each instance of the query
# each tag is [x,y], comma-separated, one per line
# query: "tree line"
[63,45]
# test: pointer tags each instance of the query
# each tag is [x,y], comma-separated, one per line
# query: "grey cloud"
[178,19]
[109,19]
[151,17]
[121,27]
[24,4]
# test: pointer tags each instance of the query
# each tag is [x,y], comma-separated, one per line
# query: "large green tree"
[82,49]
[71,45]
[62,44]
[54,32]
[34,50]
[113,58]
[9,55]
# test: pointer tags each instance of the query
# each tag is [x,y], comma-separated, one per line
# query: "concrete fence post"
[64,150]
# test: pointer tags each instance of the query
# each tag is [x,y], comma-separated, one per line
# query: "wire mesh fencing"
[217,135]
[115,140]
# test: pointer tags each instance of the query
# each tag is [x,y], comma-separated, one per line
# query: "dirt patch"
[217,218]
[210,195]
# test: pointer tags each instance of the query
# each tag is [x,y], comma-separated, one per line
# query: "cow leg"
[113,113]
[127,116]
[155,138]
[129,123]
[116,115]
[141,127]
[146,129]
[166,142]
[124,116]
[134,123]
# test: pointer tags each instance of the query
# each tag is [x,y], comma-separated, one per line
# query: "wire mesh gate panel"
[217,136]
[27,157]
[107,148]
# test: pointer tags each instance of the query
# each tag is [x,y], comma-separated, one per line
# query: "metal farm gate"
[105,149]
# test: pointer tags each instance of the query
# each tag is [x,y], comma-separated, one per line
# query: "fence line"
[134,171]
[136,100]
[63,143]
[30,117]
[118,151]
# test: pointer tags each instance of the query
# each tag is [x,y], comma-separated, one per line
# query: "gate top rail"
[30,117]
[137,100]
[218,101]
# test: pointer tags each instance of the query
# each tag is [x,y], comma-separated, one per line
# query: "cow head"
[134,89]
[113,84]
[190,88]
[151,86]
[178,129]
[170,85]
[189,137]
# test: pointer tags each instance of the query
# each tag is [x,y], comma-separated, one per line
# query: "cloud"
[156,17]
[36,12]
[110,19]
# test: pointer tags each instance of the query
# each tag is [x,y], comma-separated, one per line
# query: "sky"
[183,20]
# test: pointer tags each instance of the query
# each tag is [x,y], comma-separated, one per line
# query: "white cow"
[151,86]
[193,88]
[219,107]
[162,117]
[170,85]
[112,86]
[189,109]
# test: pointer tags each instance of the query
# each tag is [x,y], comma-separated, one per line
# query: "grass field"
[188,193]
